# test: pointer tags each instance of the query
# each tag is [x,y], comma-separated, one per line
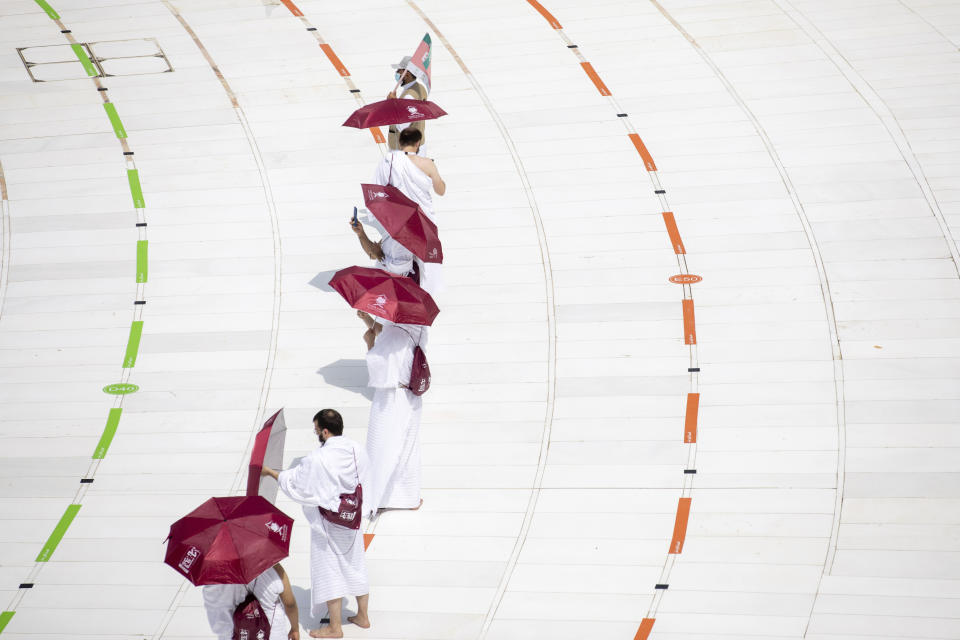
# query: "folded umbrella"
[267,450]
[385,295]
[228,540]
[393,111]
[404,220]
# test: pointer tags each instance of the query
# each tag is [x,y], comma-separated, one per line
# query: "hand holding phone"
[354,220]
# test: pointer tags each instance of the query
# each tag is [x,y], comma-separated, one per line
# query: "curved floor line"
[5,239]
[838,378]
[930,24]
[239,480]
[883,113]
[551,323]
[139,296]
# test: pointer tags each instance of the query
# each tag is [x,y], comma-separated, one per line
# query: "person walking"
[271,588]
[393,431]
[409,89]
[324,481]
[418,179]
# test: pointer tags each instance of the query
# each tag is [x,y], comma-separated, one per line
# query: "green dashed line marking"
[141,260]
[84,59]
[56,16]
[115,120]
[133,344]
[113,421]
[58,533]
[5,618]
[134,177]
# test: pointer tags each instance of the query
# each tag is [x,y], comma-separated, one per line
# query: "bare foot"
[361,621]
[367,319]
[326,632]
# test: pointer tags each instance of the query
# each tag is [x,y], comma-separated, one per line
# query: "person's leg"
[335,628]
[362,620]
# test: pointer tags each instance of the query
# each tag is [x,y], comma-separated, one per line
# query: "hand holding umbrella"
[385,295]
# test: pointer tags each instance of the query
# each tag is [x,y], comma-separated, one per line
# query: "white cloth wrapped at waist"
[221,600]
[390,360]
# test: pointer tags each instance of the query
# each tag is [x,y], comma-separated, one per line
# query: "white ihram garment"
[221,600]
[337,565]
[396,257]
[416,185]
[393,433]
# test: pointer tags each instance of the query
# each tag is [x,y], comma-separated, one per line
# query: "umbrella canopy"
[228,540]
[267,450]
[385,295]
[393,111]
[404,220]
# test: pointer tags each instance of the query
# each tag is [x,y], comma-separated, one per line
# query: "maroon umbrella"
[385,295]
[404,220]
[228,540]
[393,111]
[267,450]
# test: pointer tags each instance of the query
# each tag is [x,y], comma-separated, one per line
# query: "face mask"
[397,75]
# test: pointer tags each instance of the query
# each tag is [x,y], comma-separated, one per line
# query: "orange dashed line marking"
[602,88]
[690,421]
[546,14]
[327,49]
[689,327]
[367,539]
[378,135]
[680,525]
[646,626]
[642,150]
[673,232]
[293,8]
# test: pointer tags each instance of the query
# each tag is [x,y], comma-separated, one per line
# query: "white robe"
[398,170]
[393,434]
[221,600]
[396,257]
[337,564]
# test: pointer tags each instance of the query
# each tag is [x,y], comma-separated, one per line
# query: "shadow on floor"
[308,621]
[347,374]
[322,279]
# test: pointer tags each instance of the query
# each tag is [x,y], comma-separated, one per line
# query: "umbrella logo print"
[376,194]
[379,303]
[414,113]
[278,529]
[188,559]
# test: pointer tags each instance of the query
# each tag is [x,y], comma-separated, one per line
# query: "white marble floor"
[769,453]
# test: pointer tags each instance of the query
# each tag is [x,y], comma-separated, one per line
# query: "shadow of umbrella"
[348,374]
[321,280]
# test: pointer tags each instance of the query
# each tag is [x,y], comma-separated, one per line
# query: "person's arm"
[267,471]
[371,248]
[289,604]
[370,335]
[438,184]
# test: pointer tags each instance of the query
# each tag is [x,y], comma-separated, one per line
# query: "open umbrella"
[267,450]
[385,295]
[404,220]
[228,540]
[393,111]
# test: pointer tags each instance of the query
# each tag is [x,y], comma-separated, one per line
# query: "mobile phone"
[354,222]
